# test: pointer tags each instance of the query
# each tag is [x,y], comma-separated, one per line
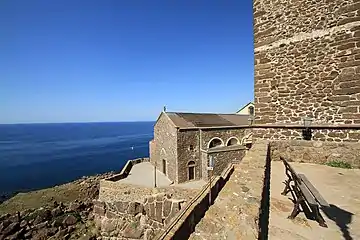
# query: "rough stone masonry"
[307,61]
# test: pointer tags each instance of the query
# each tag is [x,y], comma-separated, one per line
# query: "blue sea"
[35,156]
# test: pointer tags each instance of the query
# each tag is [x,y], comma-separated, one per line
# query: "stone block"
[160,196]
[152,210]
[133,230]
[167,207]
[99,210]
[158,211]
[108,225]
[135,208]
[149,234]
[150,199]
[111,215]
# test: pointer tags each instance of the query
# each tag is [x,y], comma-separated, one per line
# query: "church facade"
[184,142]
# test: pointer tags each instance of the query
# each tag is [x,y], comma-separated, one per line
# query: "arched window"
[191,170]
[232,141]
[215,142]
[251,110]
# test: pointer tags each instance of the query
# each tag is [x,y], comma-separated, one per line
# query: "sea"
[36,156]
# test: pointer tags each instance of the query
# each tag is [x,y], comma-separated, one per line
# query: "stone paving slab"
[142,174]
[341,189]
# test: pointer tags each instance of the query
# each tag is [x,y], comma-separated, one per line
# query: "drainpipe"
[177,157]
[200,141]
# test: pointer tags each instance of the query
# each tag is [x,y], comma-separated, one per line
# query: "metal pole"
[155,174]
[210,188]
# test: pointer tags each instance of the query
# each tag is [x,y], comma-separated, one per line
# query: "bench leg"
[318,216]
[287,187]
[296,209]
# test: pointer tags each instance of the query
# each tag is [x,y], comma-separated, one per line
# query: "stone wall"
[240,212]
[307,61]
[164,147]
[188,150]
[316,152]
[184,223]
[223,134]
[116,191]
[223,158]
[136,219]
[330,133]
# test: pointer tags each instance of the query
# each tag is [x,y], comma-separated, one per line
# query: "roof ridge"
[204,113]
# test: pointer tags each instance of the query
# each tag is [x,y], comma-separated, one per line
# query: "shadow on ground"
[341,217]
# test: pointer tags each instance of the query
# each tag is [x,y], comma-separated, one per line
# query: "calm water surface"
[34,156]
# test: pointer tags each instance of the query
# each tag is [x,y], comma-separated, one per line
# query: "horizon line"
[28,123]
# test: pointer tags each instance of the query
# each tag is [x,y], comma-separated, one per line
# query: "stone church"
[184,142]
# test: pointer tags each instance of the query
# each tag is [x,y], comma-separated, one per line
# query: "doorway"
[191,170]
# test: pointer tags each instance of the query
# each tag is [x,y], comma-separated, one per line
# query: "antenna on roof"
[164,110]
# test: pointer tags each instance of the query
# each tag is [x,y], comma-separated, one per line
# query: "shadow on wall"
[198,213]
[341,217]
[265,200]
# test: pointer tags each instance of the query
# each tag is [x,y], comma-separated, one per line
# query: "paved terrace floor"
[341,189]
[142,174]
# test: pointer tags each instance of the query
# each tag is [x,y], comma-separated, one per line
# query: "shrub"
[339,164]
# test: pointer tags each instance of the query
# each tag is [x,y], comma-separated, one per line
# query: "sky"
[95,61]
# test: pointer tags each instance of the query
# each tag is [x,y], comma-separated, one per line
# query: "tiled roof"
[199,120]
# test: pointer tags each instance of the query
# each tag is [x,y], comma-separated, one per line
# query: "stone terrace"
[338,186]
[142,174]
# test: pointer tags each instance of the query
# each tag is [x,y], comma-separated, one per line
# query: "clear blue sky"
[93,60]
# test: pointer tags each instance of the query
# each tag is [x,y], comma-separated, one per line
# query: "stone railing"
[184,223]
[127,168]
[329,133]
[318,152]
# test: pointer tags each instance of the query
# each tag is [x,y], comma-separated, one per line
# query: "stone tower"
[307,61]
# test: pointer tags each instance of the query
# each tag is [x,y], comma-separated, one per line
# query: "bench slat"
[288,166]
[307,194]
[313,190]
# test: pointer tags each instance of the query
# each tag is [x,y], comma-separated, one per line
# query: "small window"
[251,110]
[191,147]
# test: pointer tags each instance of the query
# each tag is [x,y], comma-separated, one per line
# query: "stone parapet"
[316,152]
[319,133]
[136,219]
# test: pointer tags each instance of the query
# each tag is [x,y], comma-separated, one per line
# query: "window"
[191,147]
[232,141]
[191,170]
[216,142]
[164,166]
[251,110]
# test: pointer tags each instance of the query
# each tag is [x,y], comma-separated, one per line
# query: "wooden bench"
[305,192]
